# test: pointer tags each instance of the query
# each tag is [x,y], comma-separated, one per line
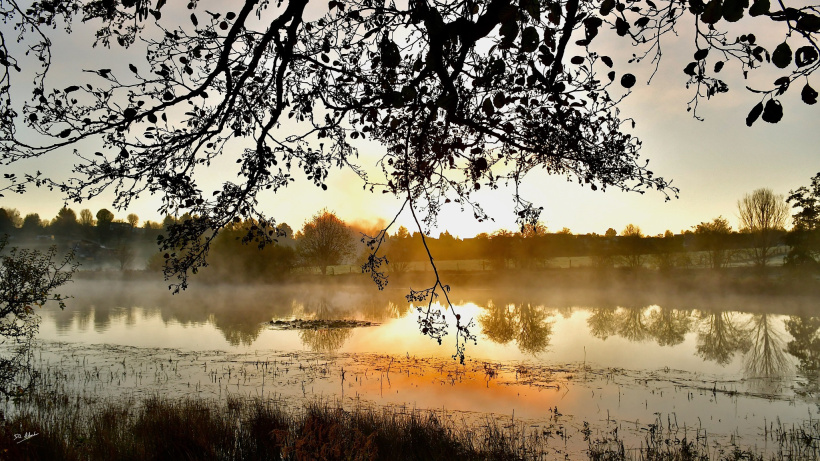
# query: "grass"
[794,443]
[73,428]
[53,425]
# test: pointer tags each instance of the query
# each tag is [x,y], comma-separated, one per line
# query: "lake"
[577,363]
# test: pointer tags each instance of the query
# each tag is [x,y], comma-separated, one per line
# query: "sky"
[713,162]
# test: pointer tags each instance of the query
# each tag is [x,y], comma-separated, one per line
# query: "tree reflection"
[631,323]
[720,337]
[669,326]
[766,357]
[525,322]
[602,322]
[325,339]
[806,348]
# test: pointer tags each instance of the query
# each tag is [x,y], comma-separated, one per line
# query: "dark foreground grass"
[239,429]
[50,426]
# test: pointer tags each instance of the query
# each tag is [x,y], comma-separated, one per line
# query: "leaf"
[642,22]
[488,107]
[133,68]
[71,88]
[809,95]
[782,55]
[621,27]
[577,60]
[808,22]
[719,66]
[230,15]
[760,7]
[690,68]
[499,100]
[152,118]
[129,113]
[701,54]
[754,114]
[529,40]
[713,12]
[65,133]
[805,55]
[606,7]
[733,9]
[168,96]
[773,111]
[607,60]
[194,20]
[628,80]
[533,8]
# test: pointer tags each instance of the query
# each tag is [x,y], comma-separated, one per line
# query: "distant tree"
[104,217]
[610,233]
[763,216]
[325,240]
[87,218]
[104,220]
[284,230]
[28,279]
[632,246]
[804,239]
[669,252]
[712,237]
[65,223]
[32,224]
[564,231]
[132,219]
[6,224]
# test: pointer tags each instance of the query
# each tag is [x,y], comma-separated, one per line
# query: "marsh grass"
[673,443]
[76,428]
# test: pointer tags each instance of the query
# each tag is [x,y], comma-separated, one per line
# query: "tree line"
[325,241]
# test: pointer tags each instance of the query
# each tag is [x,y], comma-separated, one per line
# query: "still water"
[722,368]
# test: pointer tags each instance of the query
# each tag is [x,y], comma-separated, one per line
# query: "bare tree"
[324,240]
[763,215]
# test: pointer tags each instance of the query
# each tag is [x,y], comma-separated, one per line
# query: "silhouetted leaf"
[621,27]
[701,54]
[773,111]
[782,55]
[230,15]
[577,60]
[690,68]
[606,7]
[168,96]
[71,88]
[194,20]
[223,25]
[718,66]
[733,9]
[809,95]
[529,40]
[611,75]
[628,80]
[607,60]
[809,22]
[642,22]
[133,68]
[805,55]
[759,7]
[129,113]
[65,133]
[533,8]
[488,108]
[754,114]
[152,118]
[713,12]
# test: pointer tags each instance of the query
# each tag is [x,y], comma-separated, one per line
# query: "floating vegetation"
[315,324]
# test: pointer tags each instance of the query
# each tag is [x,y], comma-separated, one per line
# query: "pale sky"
[714,162]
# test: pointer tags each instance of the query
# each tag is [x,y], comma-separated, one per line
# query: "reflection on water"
[712,338]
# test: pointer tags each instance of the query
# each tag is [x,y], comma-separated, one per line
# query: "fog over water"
[559,353]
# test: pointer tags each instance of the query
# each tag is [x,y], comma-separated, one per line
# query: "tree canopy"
[460,95]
